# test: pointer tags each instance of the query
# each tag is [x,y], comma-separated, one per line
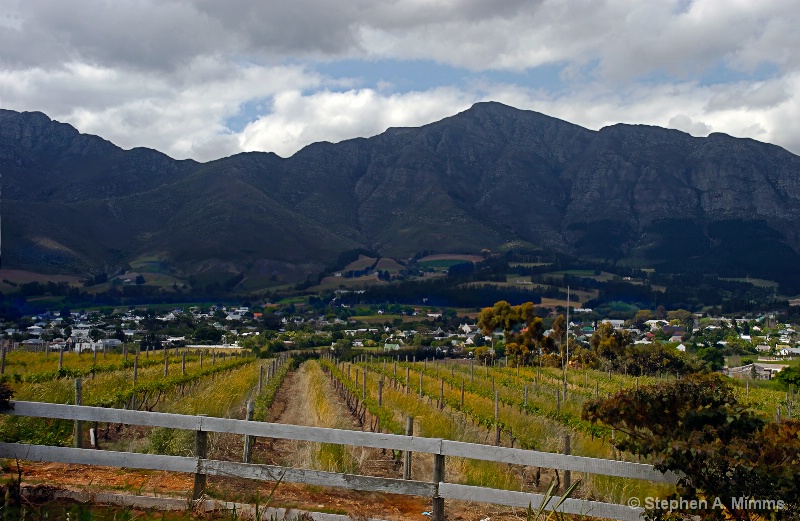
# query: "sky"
[206,79]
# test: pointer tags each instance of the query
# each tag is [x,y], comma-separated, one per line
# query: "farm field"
[452,400]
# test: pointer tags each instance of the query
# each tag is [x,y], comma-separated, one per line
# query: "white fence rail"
[437,488]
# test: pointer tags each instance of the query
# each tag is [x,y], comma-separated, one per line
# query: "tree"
[789,376]
[609,343]
[696,427]
[482,354]
[712,356]
[683,317]
[95,334]
[139,279]
[517,353]
[342,347]
[206,334]
[642,316]
[518,345]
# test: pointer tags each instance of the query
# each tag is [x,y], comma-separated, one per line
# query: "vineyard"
[528,407]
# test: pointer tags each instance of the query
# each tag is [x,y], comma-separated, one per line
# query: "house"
[754,371]
[656,324]
[81,346]
[616,324]
[468,328]
[762,348]
[391,347]
[35,330]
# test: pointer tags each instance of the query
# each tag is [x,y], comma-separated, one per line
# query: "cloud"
[625,39]
[178,117]
[297,120]
[685,124]
[750,95]
[188,77]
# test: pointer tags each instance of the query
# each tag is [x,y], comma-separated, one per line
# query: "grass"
[440,263]
[539,426]
[451,257]
[759,283]
[380,319]
[362,263]
[323,413]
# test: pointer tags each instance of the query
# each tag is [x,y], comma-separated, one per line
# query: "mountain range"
[492,177]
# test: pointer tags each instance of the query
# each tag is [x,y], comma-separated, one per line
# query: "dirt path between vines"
[291,406]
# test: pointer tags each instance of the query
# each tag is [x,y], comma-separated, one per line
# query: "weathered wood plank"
[102,458]
[523,499]
[323,435]
[252,428]
[346,437]
[316,477]
[551,460]
[103,414]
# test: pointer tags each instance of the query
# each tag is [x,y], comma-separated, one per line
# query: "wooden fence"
[437,489]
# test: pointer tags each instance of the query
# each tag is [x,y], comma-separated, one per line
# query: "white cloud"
[176,117]
[684,123]
[171,74]
[297,120]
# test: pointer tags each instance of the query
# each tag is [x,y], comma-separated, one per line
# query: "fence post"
[380,392]
[407,455]
[441,396]
[496,418]
[249,441]
[201,452]
[567,473]
[61,357]
[166,364]
[135,375]
[183,362]
[78,434]
[260,378]
[525,399]
[3,360]
[438,477]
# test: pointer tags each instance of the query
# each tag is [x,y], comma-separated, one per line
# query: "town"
[746,346]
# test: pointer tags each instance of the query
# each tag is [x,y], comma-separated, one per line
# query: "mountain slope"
[486,177]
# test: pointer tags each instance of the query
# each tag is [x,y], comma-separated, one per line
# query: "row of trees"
[525,343]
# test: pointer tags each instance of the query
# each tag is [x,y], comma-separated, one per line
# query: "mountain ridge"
[480,179]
